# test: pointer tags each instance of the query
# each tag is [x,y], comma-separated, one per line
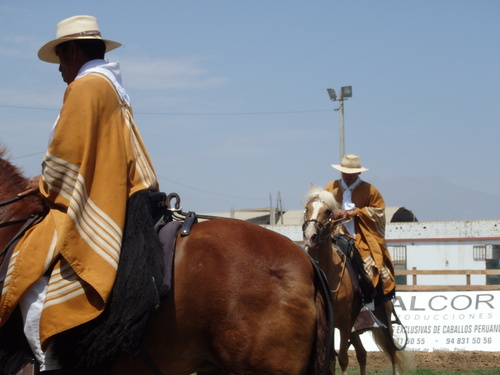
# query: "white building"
[449,245]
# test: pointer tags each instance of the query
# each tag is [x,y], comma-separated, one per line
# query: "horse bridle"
[321,227]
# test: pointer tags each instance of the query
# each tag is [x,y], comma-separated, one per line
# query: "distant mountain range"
[432,198]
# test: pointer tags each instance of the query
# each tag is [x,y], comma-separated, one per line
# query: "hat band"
[84,33]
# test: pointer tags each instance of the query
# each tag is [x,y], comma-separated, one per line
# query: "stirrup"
[365,321]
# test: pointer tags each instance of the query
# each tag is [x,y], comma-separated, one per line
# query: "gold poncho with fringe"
[94,163]
[370,232]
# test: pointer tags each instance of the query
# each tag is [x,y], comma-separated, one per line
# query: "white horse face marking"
[310,232]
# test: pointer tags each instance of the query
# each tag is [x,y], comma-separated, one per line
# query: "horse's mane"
[13,182]
[323,195]
[11,178]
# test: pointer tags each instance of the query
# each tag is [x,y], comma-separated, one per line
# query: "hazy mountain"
[432,198]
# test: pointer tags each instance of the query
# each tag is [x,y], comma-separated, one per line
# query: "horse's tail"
[322,360]
[402,359]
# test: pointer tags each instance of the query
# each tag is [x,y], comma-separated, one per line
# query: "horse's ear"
[312,186]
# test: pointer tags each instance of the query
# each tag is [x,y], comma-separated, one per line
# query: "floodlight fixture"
[333,96]
[346,92]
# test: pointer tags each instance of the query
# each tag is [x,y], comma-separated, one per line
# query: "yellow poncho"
[94,163]
[370,231]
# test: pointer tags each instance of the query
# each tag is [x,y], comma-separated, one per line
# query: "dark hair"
[91,48]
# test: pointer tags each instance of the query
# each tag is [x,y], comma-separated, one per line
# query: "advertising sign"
[452,321]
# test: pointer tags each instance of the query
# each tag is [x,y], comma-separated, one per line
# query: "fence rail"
[467,286]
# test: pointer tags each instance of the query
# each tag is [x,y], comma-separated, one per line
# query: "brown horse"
[13,217]
[317,229]
[244,300]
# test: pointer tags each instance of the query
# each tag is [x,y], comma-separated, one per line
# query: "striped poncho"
[95,161]
[370,232]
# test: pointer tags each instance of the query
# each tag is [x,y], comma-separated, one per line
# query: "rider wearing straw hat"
[363,204]
[63,270]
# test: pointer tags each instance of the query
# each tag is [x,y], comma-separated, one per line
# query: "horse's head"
[12,182]
[319,216]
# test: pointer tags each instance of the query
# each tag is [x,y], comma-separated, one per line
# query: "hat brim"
[349,170]
[48,51]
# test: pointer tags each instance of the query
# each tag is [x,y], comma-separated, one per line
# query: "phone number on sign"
[469,340]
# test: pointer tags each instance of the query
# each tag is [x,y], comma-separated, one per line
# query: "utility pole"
[345,92]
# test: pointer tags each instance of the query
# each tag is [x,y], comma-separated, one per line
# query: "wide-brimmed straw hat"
[77,27]
[350,164]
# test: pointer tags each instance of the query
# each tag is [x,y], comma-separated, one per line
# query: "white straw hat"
[350,164]
[77,27]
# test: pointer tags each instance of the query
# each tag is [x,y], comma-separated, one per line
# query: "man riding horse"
[62,271]
[363,206]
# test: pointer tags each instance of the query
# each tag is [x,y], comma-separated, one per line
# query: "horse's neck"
[327,258]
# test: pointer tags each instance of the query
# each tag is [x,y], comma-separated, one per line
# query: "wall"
[433,246]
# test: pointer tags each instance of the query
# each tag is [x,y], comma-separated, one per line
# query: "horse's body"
[346,303]
[244,300]
[317,229]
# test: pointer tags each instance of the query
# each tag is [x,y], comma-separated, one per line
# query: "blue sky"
[231,96]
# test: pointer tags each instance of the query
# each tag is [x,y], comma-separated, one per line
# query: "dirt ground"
[438,360]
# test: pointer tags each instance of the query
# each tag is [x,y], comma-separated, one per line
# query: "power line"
[28,155]
[233,113]
[191,113]
[210,192]
[169,180]
[26,107]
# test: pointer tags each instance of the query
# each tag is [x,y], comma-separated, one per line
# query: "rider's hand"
[339,214]
[351,214]
[33,187]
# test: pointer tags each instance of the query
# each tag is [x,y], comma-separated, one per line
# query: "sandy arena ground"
[439,360]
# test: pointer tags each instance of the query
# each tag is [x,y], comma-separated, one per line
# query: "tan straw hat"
[77,27]
[350,164]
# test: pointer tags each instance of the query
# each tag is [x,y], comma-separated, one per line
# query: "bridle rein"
[28,222]
[6,203]
[13,200]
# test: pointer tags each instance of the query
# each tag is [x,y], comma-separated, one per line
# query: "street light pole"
[341,131]
[345,92]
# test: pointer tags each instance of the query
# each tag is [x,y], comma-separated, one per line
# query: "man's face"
[349,178]
[68,61]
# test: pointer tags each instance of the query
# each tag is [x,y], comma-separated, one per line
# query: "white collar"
[111,70]
[351,187]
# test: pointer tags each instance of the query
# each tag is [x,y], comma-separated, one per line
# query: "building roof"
[263,216]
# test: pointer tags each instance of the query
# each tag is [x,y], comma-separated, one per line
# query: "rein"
[344,260]
[13,200]
[15,222]
[9,223]
[28,222]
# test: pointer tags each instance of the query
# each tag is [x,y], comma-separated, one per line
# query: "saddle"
[355,266]
[169,222]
